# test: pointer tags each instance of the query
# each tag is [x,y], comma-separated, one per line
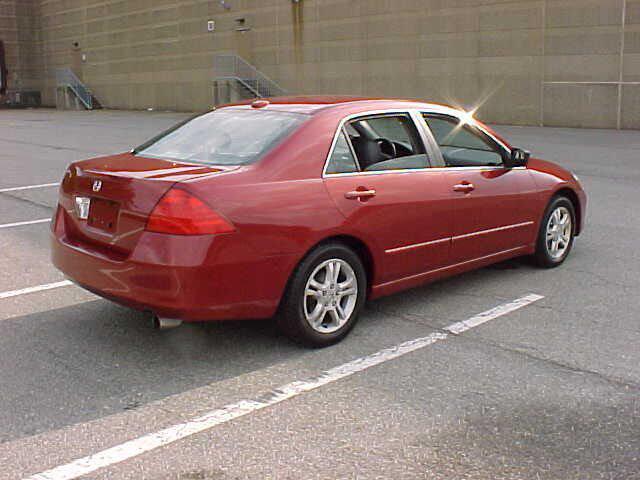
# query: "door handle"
[360,194]
[465,187]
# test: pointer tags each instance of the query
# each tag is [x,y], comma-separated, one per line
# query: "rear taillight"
[180,213]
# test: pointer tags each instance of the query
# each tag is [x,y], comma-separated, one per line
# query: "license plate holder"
[103,214]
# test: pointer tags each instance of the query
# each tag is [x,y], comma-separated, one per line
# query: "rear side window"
[387,142]
[223,137]
[342,160]
[396,129]
[462,145]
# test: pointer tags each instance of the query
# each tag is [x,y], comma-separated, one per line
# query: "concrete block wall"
[19,30]
[529,62]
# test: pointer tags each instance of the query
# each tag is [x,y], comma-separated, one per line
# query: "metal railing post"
[231,67]
[67,79]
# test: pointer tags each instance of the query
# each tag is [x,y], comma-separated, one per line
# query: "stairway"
[235,77]
[75,93]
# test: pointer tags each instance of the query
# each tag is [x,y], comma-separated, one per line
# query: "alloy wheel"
[559,231]
[330,296]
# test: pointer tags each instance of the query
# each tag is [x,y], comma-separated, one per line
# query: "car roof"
[313,104]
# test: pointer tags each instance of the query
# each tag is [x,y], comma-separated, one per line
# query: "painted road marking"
[30,222]
[484,317]
[38,288]
[152,441]
[28,187]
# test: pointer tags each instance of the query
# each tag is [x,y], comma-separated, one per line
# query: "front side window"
[223,137]
[462,145]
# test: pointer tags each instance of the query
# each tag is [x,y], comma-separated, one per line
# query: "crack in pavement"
[27,200]
[616,381]
[45,145]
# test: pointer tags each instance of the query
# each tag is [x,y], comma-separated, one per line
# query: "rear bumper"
[192,278]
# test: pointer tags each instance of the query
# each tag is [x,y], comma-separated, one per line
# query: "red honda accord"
[302,208]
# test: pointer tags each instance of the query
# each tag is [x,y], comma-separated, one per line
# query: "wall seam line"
[621,66]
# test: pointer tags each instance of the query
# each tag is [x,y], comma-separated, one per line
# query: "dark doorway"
[3,71]
[76,59]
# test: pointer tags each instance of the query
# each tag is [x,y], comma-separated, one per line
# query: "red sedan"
[303,208]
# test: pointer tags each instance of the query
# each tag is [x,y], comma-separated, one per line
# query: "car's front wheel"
[556,234]
[324,296]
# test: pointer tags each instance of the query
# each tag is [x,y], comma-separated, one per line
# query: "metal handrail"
[66,78]
[234,67]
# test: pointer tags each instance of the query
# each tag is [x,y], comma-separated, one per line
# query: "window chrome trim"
[473,124]
[351,149]
[430,139]
[431,151]
[340,131]
[353,116]
[427,169]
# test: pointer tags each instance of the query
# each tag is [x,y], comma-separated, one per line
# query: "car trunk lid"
[109,199]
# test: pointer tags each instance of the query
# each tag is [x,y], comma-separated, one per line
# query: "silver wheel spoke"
[310,292]
[317,315]
[334,269]
[315,284]
[333,313]
[564,220]
[347,292]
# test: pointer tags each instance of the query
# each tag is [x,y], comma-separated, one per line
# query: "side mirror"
[519,157]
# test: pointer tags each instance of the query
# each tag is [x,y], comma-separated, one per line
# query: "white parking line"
[138,446]
[28,187]
[498,311]
[38,288]
[20,224]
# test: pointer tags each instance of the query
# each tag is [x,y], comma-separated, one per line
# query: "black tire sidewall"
[292,317]
[542,256]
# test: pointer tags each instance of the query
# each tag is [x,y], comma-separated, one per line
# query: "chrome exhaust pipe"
[160,323]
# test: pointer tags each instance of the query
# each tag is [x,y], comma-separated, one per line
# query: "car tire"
[555,236]
[319,309]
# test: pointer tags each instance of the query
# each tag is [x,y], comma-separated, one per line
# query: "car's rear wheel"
[556,234]
[324,296]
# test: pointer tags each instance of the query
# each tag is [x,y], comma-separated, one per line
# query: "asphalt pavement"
[550,390]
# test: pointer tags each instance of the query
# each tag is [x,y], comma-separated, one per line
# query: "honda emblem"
[97,185]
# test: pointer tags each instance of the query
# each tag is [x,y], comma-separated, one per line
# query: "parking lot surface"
[546,389]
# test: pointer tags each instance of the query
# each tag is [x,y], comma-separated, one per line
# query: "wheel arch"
[356,244]
[575,201]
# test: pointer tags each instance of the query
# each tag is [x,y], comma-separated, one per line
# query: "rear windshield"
[223,137]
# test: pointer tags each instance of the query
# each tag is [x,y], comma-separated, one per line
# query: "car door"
[493,206]
[396,203]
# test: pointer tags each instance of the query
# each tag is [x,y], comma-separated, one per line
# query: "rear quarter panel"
[280,204]
[275,218]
